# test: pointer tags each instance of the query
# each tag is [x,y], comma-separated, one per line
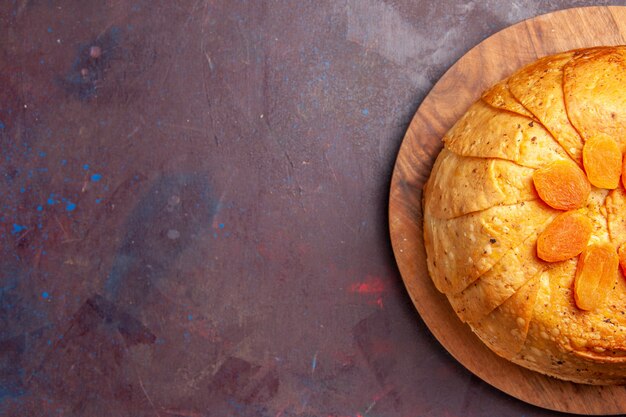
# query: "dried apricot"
[595,275]
[621,252]
[562,185]
[565,237]
[602,160]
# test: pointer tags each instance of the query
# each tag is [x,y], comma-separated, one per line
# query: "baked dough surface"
[482,216]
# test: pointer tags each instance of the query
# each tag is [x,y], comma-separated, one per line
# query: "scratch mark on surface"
[247,41]
[121,337]
[146,394]
[65,234]
[166,75]
[183,127]
[131,134]
[291,167]
[210,62]
[204,77]
[314,363]
[220,201]
[287,155]
[330,167]
[22,236]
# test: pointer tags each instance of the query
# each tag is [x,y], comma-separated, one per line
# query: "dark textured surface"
[194,207]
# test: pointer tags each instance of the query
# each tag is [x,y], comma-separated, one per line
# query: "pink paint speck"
[371,285]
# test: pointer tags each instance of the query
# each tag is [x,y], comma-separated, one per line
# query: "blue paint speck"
[39,208]
[49,30]
[50,201]
[22,190]
[365,112]
[45,295]
[64,162]
[70,206]
[96,177]
[17,228]
[1,125]
[190,317]
[221,225]
[42,153]
[98,200]
[239,408]
[86,167]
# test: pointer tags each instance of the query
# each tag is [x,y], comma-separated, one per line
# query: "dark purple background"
[194,201]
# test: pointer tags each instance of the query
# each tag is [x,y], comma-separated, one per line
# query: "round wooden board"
[492,60]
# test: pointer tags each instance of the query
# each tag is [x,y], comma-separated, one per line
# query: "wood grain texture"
[492,60]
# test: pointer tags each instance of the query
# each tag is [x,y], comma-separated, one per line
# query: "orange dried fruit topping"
[602,160]
[562,185]
[621,252]
[565,237]
[595,275]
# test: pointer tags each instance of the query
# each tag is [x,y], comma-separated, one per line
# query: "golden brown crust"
[499,283]
[616,215]
[452,190]
[504,329]
[482,216]
[500,97]
[595,97]
[538,87]
[463,248]
[568,343]
[486,132]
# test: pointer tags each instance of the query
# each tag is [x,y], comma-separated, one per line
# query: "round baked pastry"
[525,216]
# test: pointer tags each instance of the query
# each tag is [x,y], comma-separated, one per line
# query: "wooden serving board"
[492,60]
